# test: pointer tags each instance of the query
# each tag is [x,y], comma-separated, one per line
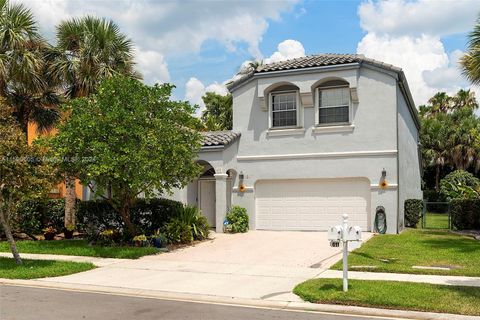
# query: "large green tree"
[88,50]
[471,60]
[26,84]
[450,133]
[131,140]
[23,173]
[218,113]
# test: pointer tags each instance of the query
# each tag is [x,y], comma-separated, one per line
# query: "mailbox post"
[343,233]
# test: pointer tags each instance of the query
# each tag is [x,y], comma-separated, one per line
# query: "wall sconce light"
[241,186]
[383,180]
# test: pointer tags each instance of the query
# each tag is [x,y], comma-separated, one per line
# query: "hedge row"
[147,215]
[465,214]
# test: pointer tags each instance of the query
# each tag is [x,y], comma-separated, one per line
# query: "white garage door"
[311,204]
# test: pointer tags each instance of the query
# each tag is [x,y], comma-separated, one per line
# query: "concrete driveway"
[256,265]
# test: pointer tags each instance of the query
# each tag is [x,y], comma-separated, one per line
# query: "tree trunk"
[125,214]
[8,233]
[437,179]
[70,199]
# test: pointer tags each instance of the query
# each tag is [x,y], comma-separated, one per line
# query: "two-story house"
[313,138]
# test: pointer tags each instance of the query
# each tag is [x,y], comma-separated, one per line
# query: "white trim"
[373,153]
[339,128]
[389,186]
[285,132]
[247,189]
[220,176]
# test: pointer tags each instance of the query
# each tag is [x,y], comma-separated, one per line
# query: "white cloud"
[152,65]
[161,29]
[401,17]
[288,49]
[195,90]
[409,35]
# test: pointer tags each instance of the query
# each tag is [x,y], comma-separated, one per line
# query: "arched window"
[284,107]
[333,103]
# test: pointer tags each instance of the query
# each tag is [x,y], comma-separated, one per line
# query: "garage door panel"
[311,204]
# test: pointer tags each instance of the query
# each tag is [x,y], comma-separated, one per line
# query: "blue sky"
[198,45]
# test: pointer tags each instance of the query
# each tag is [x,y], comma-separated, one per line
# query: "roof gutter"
[409,99]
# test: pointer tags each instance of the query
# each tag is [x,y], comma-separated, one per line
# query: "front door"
[207,200]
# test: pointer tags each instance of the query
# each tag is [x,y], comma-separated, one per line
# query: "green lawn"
[436,221]
[78,248]
[31,269]
[415,247]
[393,295]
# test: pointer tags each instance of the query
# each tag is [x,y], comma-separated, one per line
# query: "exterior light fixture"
[383,179]
[241,186]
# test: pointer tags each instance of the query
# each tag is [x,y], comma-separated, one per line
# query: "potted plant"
[158,239]
[49,233]
[68,231]
[140,240]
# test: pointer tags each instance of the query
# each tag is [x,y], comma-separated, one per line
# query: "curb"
[240,302]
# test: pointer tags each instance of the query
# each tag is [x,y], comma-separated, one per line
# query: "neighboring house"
[59,190]
[312,138]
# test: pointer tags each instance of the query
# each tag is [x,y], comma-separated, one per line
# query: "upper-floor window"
[284,107]
[333,103]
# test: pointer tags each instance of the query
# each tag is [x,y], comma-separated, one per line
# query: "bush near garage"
[413,212]
[465,214]
[237,220]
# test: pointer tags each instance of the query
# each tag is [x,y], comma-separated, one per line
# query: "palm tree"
[25,83]
[465,99]
[440,103]
[250,66]
[463,138]
[471,60]
[88,50]
[435,144]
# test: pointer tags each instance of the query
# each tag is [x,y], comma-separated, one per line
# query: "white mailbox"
[335,233]
[354,234]
[344,234]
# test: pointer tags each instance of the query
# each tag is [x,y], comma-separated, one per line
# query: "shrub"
[465,214]
[177,231]
[35,215]
[148,215]
[413,212]
[237,220]
[198,223]
[460,184]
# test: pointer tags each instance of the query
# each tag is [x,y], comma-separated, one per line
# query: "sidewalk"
[433,279]
[99,262]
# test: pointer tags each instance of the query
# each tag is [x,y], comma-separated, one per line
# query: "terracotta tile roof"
[319,60]
[219,138]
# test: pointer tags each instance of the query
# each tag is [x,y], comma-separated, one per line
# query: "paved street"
[25,303]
